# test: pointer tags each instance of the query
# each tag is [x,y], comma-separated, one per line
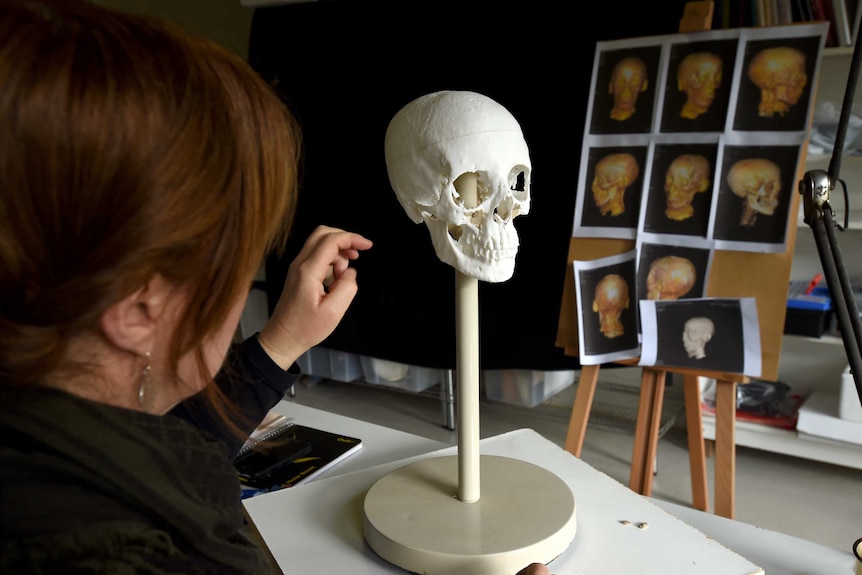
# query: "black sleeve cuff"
[254,358]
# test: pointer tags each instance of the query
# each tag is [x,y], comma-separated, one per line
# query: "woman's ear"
[130,324]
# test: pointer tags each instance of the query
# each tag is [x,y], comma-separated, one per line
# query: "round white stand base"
[414,519]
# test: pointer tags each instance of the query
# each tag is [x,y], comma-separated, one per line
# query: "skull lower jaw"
[679,214]
[765,207]
[612,328]
[488,258]
[614,208]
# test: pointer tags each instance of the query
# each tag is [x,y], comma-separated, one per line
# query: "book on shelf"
[822,10]
[818,417]
[802,11]
[785,12]
[760,12]
[280,454]
[842,15]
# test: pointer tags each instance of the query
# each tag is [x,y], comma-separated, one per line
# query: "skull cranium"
[628,80]
[440,137]
[699,76]
[696,334]
[670,277]
[611,298]
[780,74]
[686,176]
[614,174]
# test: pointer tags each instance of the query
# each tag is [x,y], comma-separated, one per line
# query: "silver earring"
[145,381]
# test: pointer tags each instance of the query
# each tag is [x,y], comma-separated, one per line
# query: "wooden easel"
[733,274]
[648,424]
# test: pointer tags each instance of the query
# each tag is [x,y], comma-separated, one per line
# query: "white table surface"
[777,553]
[317,527]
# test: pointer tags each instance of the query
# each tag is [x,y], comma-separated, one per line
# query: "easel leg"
[696,447]
[725,448]
[655,426]
[581,409]
[643,425]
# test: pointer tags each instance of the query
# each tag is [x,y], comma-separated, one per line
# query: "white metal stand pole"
[467,365]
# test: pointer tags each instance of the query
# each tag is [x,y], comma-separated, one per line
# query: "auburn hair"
[129,148]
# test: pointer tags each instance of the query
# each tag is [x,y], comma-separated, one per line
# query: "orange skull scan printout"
[669,272]
[754,195]
[614,174]
[611,205]
[781,75]
[624,90]
[607,302]
[776,83]
[698,85]
[679,193]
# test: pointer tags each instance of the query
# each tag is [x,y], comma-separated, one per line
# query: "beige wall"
[224,21]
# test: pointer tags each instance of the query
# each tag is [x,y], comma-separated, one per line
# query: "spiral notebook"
[327,449]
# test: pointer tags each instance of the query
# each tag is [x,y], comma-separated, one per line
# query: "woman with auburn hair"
[145,174]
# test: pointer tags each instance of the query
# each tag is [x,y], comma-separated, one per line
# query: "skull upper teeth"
[492,249]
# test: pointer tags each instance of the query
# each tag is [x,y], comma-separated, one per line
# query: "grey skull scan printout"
[715,334]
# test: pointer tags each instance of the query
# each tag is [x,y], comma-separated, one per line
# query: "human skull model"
[780,75]
[440,137]
[628,80]
[614,174]
[686,176]
[696,334]
[758,182]
[611,298]
[699,76]
[670,277]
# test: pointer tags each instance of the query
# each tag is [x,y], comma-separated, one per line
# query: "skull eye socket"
[519,185]
[483,192]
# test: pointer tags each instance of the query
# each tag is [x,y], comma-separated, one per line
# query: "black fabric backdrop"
[346,67]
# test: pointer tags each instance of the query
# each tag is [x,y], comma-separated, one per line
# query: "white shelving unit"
[810,364]
[789,442]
